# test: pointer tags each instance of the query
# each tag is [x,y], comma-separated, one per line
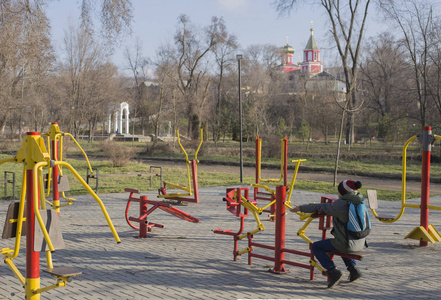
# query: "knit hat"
[347,186]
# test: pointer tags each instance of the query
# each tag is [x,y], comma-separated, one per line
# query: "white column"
[116,129]
[127,120]
[109,124]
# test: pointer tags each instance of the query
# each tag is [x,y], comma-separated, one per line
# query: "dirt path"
[374,183]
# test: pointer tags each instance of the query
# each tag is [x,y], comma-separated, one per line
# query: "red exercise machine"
[144,211]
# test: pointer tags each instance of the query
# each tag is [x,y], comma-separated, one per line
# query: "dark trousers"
[321,247]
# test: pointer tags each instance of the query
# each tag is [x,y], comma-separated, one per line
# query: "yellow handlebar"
[187,161]
[403,185]
[291,187]
[37,166]
[97,199]
[180,145]
[200,144]
[7,160]
[79,147]
[20,219]
[259,167]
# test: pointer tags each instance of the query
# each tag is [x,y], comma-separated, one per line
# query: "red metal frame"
[144,225]
[234,206]
[325,224]
[425,182]
[32,257]
[279,248]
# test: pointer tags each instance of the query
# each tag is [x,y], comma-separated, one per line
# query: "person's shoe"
[334,277]
[354,274]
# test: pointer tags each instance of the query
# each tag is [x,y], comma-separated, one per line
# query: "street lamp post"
[239,58]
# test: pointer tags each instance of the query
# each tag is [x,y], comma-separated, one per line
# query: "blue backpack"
[359,224]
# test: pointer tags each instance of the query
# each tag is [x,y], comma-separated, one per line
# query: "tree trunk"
[90,132]
[309,139]
[337,156]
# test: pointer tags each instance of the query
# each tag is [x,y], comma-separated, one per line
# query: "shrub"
[160,148]
[119,154]
[271,147]
[192,145]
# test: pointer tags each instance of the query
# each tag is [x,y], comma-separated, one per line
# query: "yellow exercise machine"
[425,232]
[237,198]
[55,178]
[270,194]
[30,217]
[194,176]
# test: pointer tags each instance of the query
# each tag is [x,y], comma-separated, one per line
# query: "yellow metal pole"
[200,144]
[403,185]
[187,162]
[20,218]
[95,196]
[36,208]
[16,272]
[7,160]
[82,151]
[291,187]
[259,167]
[32,152]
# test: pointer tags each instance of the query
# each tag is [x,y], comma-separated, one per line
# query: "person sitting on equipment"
[347,192]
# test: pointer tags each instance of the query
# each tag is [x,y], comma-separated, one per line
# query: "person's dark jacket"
[339,210]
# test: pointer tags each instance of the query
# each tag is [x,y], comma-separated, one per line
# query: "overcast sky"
[252,21]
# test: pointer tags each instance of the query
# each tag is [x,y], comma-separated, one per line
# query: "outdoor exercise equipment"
[279,246]
[97,175]
[55,178]
[237,198]
[238,203]
[193,177]
[144,211]
[42,229]
[269,194]
[278,249]
[424,233]
[282,201]
[9,179]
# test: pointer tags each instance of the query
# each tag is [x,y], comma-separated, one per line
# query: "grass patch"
[174,175]
[377,158]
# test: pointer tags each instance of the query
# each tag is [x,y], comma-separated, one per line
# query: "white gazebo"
[119,113]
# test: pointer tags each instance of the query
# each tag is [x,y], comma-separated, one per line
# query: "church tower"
[287,53]
[311,57]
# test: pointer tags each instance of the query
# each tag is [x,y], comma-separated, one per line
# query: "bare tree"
[347,20]
[84,59]
[25,59]
[225,59]
[103,86]
[26,56]
[138,65]
[435,60]
[260,83]
[193,46]
[164,101]
[386,79]
[115,17]
[414,20]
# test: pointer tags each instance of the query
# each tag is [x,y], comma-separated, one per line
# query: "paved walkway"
[188,261]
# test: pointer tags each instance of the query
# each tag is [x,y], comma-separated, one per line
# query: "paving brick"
[185,260]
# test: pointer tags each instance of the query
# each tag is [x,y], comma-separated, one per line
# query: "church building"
[311,63]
